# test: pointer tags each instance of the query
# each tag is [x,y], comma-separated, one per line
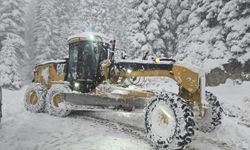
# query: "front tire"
[35,96]
[213,114]
[169,122]
[55,103]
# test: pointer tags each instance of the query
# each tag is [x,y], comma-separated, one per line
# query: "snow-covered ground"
[22,130]
[234,133]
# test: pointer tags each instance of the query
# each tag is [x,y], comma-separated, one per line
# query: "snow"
[88,35]
[202,33]
[149,61]
[119,92]
[216,31]
[161,129]
[235,130]
[52,61]
[210,64]
[45,74]
[22,130]
[28,131]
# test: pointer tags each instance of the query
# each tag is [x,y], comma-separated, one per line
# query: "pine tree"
[216,31]
[78,20]
[156,25]
[119,25]
[56,20]
[9,75]
[12,51]
[234,17]
[174,16]
[139,28]
[63,11]
[101,16]
[46,31]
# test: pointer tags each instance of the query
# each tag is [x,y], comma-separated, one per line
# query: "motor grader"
[92,79]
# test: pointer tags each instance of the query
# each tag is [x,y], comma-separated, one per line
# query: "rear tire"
[55,103]
[169,122]
[35,96]
[213,115]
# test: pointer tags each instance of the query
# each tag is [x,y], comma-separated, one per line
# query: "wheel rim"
[33,98]
[163,121]
[57,100]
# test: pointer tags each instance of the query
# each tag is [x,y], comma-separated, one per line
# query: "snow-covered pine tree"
[12,51]
[120,23]
[217,31]
[30,28]
[47,32]
[155,26]
[63,12]
[1,27]
[145,27]
[97,16]
[80,20]
[174,16]
[104,18]
[101,16]
[59,29]
[9,76]
[204,36]
[58,19]
[235,19]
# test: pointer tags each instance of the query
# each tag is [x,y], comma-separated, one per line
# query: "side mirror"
[145,57]
[113,44]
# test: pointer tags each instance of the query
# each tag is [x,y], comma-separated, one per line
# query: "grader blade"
[107,102]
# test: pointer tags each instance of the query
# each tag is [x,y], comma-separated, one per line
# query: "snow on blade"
[120,92]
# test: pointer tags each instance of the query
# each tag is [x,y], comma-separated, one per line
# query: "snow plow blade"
[106,102]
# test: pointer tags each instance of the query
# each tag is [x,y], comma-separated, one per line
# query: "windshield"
[87,61]
[73,59]
[84,60]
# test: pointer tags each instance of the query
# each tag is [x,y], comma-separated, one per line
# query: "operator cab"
[86,52]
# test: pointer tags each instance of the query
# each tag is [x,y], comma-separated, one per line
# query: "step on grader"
[91,79]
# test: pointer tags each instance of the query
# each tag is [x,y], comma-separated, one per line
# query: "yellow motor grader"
[91,79]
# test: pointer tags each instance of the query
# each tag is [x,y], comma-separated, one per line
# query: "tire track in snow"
[133,131]
[139,133]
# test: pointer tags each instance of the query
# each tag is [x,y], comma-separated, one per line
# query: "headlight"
[157,60]
[76,85]
[91,37]
[129,71]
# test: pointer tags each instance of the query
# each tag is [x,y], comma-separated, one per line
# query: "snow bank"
[234,132]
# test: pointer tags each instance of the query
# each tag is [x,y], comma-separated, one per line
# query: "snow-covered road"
[22,130]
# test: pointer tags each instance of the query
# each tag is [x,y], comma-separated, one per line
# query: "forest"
[206,33]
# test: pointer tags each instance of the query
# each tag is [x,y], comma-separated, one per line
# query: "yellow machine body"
[50,73]
[189,81]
